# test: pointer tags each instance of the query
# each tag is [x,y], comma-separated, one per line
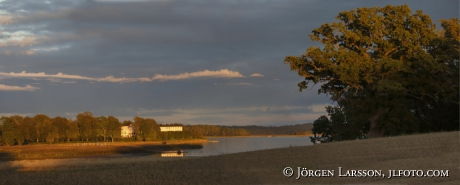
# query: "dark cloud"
[140,39]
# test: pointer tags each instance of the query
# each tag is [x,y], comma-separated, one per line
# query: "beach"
[422,152]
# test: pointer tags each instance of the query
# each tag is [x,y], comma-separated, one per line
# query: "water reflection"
[178,153]
[219,146]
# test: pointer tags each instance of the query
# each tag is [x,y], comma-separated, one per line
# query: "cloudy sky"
[186,61]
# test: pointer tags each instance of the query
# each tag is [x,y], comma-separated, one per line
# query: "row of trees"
[17,130]
[297,129]
[41,128]
[389,71]
[214,130]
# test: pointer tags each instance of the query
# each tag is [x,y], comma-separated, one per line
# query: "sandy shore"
[79,163]
[436,151]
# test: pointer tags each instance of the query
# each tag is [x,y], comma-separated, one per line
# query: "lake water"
[227,145]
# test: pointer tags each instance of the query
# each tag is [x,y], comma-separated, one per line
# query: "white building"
[127,131]
[170,128]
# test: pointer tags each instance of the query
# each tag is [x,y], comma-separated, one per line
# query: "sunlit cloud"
[60,75]
[18,41]
[17,114]
[223,73]
[5,19]
[4,87]
[257,75]
[50,49]
[25,74]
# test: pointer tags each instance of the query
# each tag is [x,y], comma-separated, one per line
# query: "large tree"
[43,125]
[146,128]
[102,124]
[387,69]
[10,132]
[113,128]
[87,125]
[61,124]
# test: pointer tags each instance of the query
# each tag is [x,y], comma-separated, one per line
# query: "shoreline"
[258,136]
[79,150]
[438,151]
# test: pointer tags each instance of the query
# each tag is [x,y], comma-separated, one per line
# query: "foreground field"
[437,151]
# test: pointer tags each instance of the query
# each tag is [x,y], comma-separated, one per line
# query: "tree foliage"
[390,72]
[11,133]
[113,128]
[87,125]
[146,128]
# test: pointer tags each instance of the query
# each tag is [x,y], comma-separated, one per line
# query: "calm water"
[244,144]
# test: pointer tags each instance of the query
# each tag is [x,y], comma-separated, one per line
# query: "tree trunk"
[373,131]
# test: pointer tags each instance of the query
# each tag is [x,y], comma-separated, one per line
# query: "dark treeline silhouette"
[298,129]
[215,130]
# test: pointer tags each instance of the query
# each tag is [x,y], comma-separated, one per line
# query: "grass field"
[435,151]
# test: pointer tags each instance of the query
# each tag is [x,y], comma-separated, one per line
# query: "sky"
[216,62]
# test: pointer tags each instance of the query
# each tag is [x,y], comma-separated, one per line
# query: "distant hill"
[298,129]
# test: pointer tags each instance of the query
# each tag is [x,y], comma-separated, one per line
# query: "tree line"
[389,71]
[297,129]
[250,130]
[18,130]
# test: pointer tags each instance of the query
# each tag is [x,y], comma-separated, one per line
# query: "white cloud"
[257,75]
[60,75]
[50,49]
[17,114]
[25,74]
[114,79]
[20,41]
[223,73]
[4,87]
[17,38]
